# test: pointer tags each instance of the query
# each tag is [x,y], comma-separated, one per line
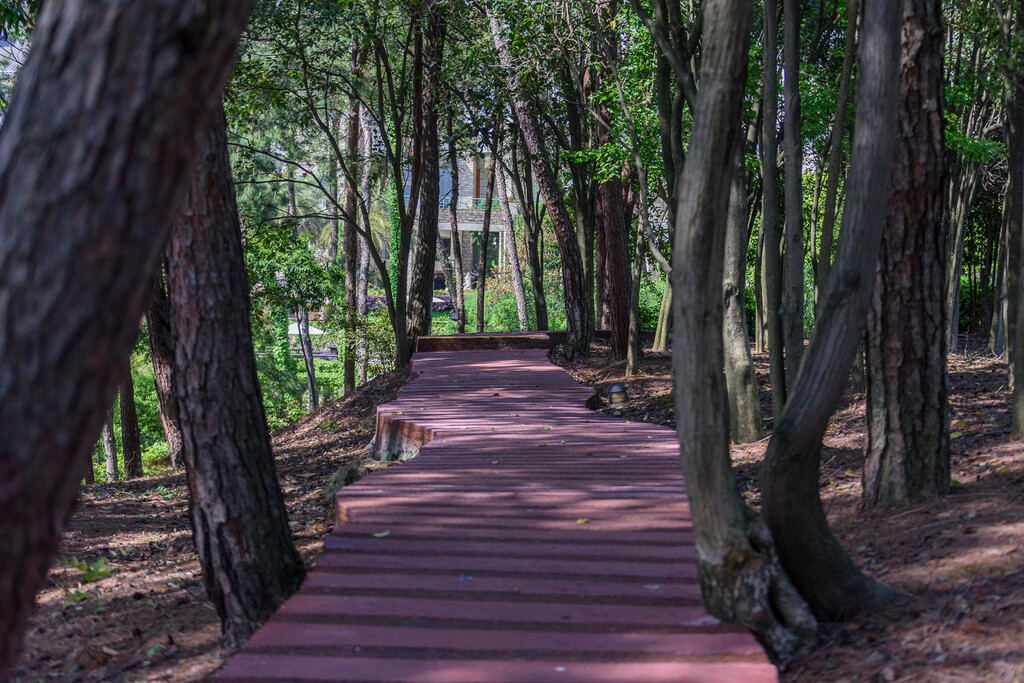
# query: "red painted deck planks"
[530,540]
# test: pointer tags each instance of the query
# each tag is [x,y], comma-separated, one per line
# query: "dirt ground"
[126,602]
[956,562]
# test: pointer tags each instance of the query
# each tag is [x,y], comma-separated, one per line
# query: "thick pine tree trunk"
[577,316]
[161,347]
[98,138]
[811,555]
[771,260]
[110,446]
[131,448]
[485,239]
[907,445]
[793,235]
[421,290]
[741,382]
[740,577]
[239,521]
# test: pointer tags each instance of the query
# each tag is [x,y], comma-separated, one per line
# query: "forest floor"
[957,562]
[126,601]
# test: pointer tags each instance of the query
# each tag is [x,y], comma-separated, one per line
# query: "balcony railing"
[478,203]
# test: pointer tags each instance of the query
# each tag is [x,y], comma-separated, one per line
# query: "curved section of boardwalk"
[531,540]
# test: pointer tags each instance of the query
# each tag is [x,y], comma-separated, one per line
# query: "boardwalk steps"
[530,540]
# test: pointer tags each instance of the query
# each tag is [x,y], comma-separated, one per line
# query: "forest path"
[531,539]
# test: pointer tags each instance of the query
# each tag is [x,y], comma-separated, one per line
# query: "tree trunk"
[306,343]
[997,331]
[110,446]
[957,216]
[455,245]
[363,281]
[663,331]
[772,259]
[634,348]
[760,324]
[421,291]
[131,448]
[510,246]
[835,156]
[161,347]
[351,241]
[1015,242]
[740,577]
[907,444]
[100,130]
[239,522]
[485,238]
[89,474]
[793,236]
[741,381]
[577,316]
[812,556]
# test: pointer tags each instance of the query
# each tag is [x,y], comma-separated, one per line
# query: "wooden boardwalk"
[530,540]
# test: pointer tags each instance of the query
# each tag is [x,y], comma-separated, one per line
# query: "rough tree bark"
[740,577]
[239,522]
[421,290]
[1015,239]
[577,316]
[351,238]
[131,448]
[771,259]
[485,238]
[793,233]
[94,153]
[741,382]
[812,556]
[907,444]
[161,347]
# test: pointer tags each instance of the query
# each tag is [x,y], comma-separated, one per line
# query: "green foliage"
[93,572]
[651,293]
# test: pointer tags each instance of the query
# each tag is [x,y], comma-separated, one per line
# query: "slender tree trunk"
[131,448]
[760,329]
[907,444]
[740,577]
[741,381]
[577,316]
[835,156]
[957,231]
[363,281]
[455,245]
[351,240]
[110,446]
[663,332]
[89,474]
[510,246]
[485,238]
[772,258]
[161,347]
[1015,241]
[105,114]
[997,332]
[239,521]
[793,236]
[812,556]
[634,349]
[306,343]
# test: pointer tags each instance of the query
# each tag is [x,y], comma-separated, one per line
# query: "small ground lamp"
[617,393]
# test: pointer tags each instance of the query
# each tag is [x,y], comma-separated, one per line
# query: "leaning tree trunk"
[485,238]
[306,344]
[793,234]
[239,522]
[511,253]
[161,347]
[421,291]
[740,577]
[131,447]
[107,114]
[741,381]
[577,316]
[771,259]
[907,444]
[812,556]
[110,446]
